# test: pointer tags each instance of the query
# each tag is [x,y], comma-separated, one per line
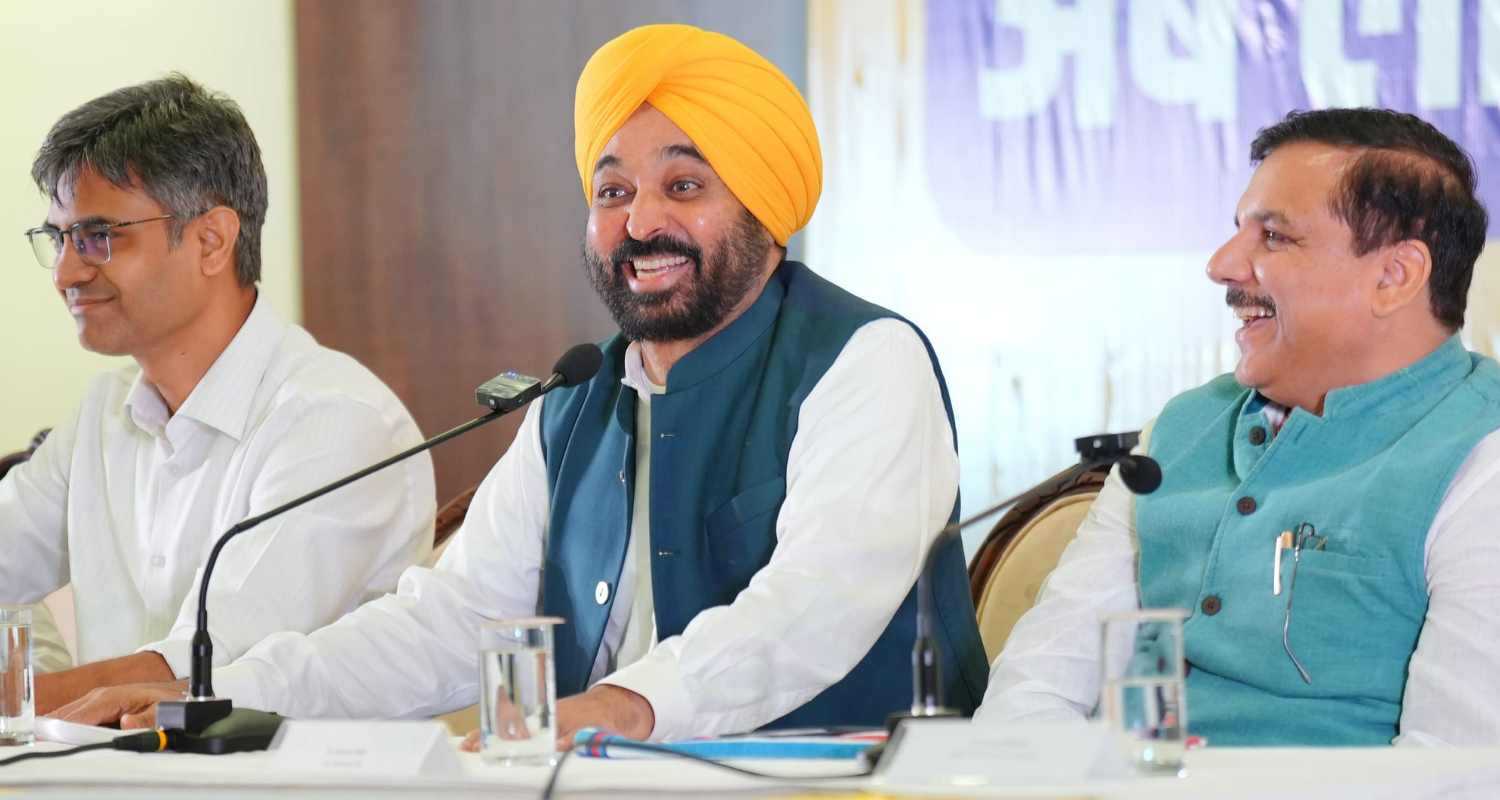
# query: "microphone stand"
[1094,451]
[203,723]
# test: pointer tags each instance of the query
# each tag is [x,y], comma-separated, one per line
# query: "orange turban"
[743,114]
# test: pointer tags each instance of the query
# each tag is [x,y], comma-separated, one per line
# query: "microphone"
[1141,474]
[212,725]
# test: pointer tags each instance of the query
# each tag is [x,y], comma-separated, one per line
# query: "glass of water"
[517,691]
[17,710]
[1144,697]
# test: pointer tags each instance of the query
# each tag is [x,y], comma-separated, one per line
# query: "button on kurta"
[1211,605]
[1246,506]
[1257,436]
[601,593]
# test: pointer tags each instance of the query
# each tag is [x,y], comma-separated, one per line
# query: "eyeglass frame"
[56,235]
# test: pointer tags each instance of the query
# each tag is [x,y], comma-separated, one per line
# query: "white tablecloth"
[1393,773]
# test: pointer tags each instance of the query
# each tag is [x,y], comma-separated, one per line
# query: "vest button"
[1257,436]
[1246,506]
[601,593]
[1211,605]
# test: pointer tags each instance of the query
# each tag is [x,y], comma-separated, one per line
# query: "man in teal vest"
[730,516]
[1353,451]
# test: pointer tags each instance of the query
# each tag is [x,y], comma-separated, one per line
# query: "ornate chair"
[1022,549]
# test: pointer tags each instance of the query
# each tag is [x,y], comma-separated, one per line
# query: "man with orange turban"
[731,515]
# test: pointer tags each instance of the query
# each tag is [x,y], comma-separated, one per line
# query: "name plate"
[414,749]
[956,753]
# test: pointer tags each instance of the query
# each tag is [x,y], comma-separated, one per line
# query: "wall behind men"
[56,56]
[441,206]
[1040,184]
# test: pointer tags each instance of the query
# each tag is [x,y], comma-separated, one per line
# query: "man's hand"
[57,689]
[611,708]
[132,706]
[608,707]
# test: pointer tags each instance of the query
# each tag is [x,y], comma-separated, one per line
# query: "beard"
[693,307]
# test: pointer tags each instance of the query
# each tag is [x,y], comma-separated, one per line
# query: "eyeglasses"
[90,239]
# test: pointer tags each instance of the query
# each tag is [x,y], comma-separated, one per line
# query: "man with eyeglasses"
[1350,464]
[157,197]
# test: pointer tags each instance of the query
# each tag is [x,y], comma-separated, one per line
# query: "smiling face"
[671,251]
[147,293]
[1304,299]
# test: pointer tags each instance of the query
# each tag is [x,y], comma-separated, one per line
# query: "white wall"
[57,56]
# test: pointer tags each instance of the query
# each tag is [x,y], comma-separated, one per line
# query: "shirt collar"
[224,394]
[635,373]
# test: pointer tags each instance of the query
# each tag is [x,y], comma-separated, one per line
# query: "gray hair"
[187,148]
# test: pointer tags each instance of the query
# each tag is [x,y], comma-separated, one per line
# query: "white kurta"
[124,500]
[1049,669]
[871,478]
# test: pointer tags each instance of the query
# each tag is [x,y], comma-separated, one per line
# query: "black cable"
[144,742]
[547,792]
[56,753]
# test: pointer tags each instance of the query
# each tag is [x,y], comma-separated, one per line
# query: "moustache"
[631,249]
[1239,298]
[74,296]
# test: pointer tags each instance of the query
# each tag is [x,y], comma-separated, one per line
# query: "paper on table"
[955,752]
[49,729]
[396,749]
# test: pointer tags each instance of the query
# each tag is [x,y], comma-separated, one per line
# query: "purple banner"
[1106,125]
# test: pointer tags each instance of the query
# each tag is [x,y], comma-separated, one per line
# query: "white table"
[1211,773]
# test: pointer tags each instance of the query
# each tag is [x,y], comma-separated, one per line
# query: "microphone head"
[1141,474]
[578,364]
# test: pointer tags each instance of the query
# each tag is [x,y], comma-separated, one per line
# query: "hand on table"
[611,708]
[133,706]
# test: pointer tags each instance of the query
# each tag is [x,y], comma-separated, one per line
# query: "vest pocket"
[1354,624]
[741,533]
[1340,564]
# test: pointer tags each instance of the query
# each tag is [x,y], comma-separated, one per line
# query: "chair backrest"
[9,461]
[1007,573]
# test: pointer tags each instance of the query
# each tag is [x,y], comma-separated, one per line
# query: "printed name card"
[415,749]
[955,753]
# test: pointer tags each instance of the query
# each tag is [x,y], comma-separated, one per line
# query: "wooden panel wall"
[441,213]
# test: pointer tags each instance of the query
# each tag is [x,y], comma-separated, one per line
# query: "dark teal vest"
[721,434]
[1369,474]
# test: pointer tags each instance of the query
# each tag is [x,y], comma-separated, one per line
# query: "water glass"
[17,710]
[1144,697]
[518,691]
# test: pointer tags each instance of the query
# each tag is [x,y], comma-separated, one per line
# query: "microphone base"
[192,716]
[217,729]
[894,721]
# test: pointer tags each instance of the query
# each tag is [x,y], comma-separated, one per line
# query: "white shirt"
[871,478]
[49,652]
[1049,669]
[125,500]
[632,619]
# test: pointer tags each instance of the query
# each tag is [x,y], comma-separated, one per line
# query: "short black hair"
[1409,182]
[187,148]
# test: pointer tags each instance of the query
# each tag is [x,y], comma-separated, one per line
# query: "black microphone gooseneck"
[503,394]
[1141,474]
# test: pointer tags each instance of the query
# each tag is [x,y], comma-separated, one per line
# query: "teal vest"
[1369,474]
[721,434]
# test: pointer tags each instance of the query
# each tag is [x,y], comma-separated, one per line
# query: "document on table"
[957,753]
[49,729]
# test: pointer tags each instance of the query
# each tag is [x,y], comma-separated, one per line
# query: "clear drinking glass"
[1144,697]
[17,710]
[517,691]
